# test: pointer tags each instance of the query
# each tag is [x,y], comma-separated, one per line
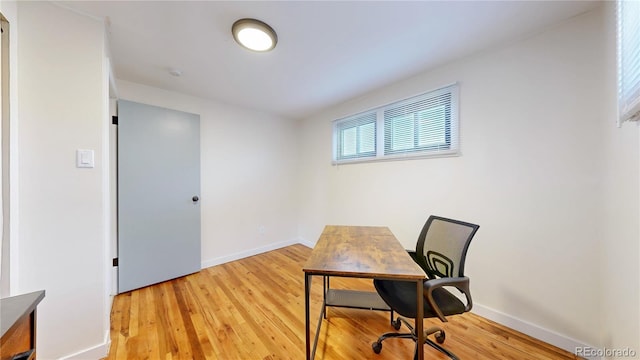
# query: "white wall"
[247,170]
[62,106]
[9,223]
[530,175]
[541,173]
[248,163]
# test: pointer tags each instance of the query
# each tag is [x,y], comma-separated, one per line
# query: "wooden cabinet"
[18,326]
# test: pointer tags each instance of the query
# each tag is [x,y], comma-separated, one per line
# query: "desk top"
[15,307]
[361,251]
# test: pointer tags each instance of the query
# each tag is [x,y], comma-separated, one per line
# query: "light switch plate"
[84,158]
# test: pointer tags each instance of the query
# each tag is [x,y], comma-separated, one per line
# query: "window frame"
[356,121]
[381,153]
[628,60]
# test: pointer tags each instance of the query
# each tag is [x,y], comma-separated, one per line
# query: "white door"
[158,194]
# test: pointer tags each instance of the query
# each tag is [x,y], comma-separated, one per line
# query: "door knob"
[195,199]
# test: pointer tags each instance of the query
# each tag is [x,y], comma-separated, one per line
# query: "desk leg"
[419,321]
[326,288]
[307,289]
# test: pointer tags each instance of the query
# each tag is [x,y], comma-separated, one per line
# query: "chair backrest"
[442,246]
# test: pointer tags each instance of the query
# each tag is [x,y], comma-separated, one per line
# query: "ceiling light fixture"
[254,35]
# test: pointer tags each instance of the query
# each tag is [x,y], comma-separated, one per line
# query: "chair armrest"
[460,283]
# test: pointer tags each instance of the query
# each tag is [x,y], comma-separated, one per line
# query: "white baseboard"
[94,353]
[533,330]
[246,253]
[306,243]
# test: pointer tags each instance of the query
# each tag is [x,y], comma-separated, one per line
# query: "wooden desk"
[18,325]
[361,252]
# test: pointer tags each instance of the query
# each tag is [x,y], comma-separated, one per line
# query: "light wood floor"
[254,309]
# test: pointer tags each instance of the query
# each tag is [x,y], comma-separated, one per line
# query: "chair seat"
[401,297]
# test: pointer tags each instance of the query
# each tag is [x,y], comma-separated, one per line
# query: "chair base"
[439,336]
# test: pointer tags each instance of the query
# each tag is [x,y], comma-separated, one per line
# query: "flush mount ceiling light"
[254,35]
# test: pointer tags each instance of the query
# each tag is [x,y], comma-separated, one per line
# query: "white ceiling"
[327,52]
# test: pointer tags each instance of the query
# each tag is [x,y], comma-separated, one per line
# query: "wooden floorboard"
[253,308]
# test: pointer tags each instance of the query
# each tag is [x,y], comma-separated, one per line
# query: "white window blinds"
[356,137]
[628,60]
[421,126]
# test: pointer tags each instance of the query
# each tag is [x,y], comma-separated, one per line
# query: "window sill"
[396,157]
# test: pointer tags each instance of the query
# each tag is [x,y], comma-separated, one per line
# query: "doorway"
[158,194]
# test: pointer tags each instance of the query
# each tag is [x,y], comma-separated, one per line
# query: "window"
[628,60]
[421,126]
[356,136]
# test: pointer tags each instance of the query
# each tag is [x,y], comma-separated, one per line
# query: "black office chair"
[440,251]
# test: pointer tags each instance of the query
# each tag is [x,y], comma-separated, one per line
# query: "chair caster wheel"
[377,347]
[396,324]
[440,336]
